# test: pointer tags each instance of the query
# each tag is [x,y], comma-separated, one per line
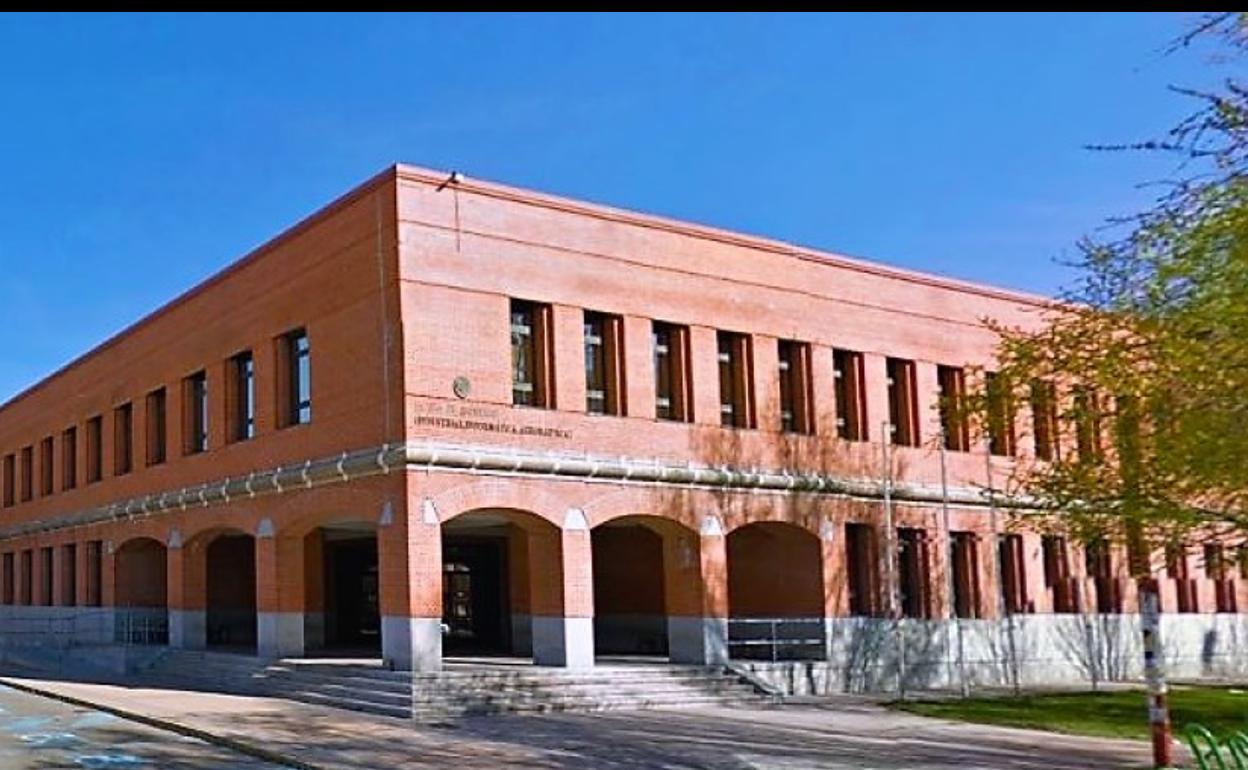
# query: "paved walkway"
[837,734]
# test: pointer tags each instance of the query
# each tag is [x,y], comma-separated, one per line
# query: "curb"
[242,747]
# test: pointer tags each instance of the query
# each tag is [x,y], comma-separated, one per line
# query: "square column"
[409,545]
[563,598]
[696,586]
[279,602]
[188,628]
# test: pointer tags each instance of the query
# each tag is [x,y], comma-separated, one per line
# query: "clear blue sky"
[138,155]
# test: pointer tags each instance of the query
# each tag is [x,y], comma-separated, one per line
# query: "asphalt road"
[41,734]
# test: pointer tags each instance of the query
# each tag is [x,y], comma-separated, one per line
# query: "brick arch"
[202,536]
[497,495]
[640,503]
[140,570]
[775,569]
[763,512]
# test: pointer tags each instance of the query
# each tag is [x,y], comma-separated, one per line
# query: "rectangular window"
[27,568]
[294,379]
[903,402]
[1185,588]
[47,458]
[95,573]
[157,427]
[1223,581]
[28,474]
[1000,415]
[69,575]
[862,568]
[1057,578]
[241,397]
[965,560]
[673,381]
[851,395]
[8,578]
[1087,424]
[797,414]
[1099,566]
[532,355]
[1044,419]
[913,573]
[1013,575]
[954,425]
[123,439]
[10,480]
[69,458]
[46,595]
[95,449]
[604,363]
[195,413]
[736,380]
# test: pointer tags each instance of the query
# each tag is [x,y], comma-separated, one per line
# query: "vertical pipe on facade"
[949,556]
[890,557]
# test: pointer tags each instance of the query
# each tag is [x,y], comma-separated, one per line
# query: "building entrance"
[352,611]
[474,592]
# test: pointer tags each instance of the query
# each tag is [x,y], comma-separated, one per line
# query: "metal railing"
[777,639]
[133,626]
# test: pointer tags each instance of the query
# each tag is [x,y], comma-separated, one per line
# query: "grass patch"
[1117,714]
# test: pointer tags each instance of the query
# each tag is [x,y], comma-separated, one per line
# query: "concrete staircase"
[462,689]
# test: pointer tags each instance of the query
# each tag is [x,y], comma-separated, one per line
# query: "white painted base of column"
[563,642]
[279,634]
[412,644]
[522,635]
[188,629]
[698,640]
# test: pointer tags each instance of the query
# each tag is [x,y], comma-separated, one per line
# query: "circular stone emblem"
[462,387]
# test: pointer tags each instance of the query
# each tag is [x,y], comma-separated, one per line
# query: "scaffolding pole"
[1003,606]
[890,559]
[955,620]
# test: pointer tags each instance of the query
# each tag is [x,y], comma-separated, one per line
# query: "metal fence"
[777,639]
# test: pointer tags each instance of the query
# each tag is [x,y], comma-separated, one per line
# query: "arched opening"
[141,592]
[489,593]
[230,606]
[342,604]
[775,592]
[630,605]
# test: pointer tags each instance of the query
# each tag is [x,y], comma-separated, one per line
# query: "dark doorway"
[474,592]
[352,609]
[231,612]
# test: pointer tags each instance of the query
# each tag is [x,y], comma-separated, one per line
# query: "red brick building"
[451,415]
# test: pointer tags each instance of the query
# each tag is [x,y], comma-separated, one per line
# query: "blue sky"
[140,154]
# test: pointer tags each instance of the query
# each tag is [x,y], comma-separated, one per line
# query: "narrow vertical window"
[46,593]
[736,402]
[964,555]
[1223,583]
[1057,577]
[1185,588]
[1013,574]
[195,413]
[157,426]
[913,571]
[851,395]
[10,480]
[95,573]
[604,363]
[28,474]
[241,397]
[69,575]
[796,387]
[47,458]
[27,568]
[903,402]
[532,355]
[862,569]
[1087,424]
[1000,416]
[123,439]
[1098,564]
[69,458]
[954,425]
[1044,419]
[299,366]
[673,395]
[8,579]
[95,449]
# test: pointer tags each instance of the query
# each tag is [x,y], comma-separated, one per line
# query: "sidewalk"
[833,734]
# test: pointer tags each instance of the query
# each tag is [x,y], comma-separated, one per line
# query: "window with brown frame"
[1014,575]
[532,355]
[47,459]
[736,380]
[954,425]
[240,397]
[293,379]
[1000,415]
[69,458]
[1044,425]
[604,364]
[914,573]
[851,395]
[1098,564]
[95,449]
[964,555]
[157,427]
[797,414]
[673,378]
[69,575]
[1087,424]
[195,413]
[8,579]
[903,402]
[10,480]
[1185,589]
[47,596]
[95,573]
[123,439]
[28,474]
[27,568]
[1062,585]
[1223,580]
[862,570]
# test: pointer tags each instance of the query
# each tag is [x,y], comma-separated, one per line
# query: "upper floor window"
[604,363]
[532,355]
[1044,419]
[1000,415]
[736,380]
[47,455]
[195,413]
[123,439]
[10,480]
[903,402]
[69,458]
[241,396]
[796,387]
[851,395]
[28,474]
[157,426]
[954,425]
[673,395]
[95,449]
[294,378]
